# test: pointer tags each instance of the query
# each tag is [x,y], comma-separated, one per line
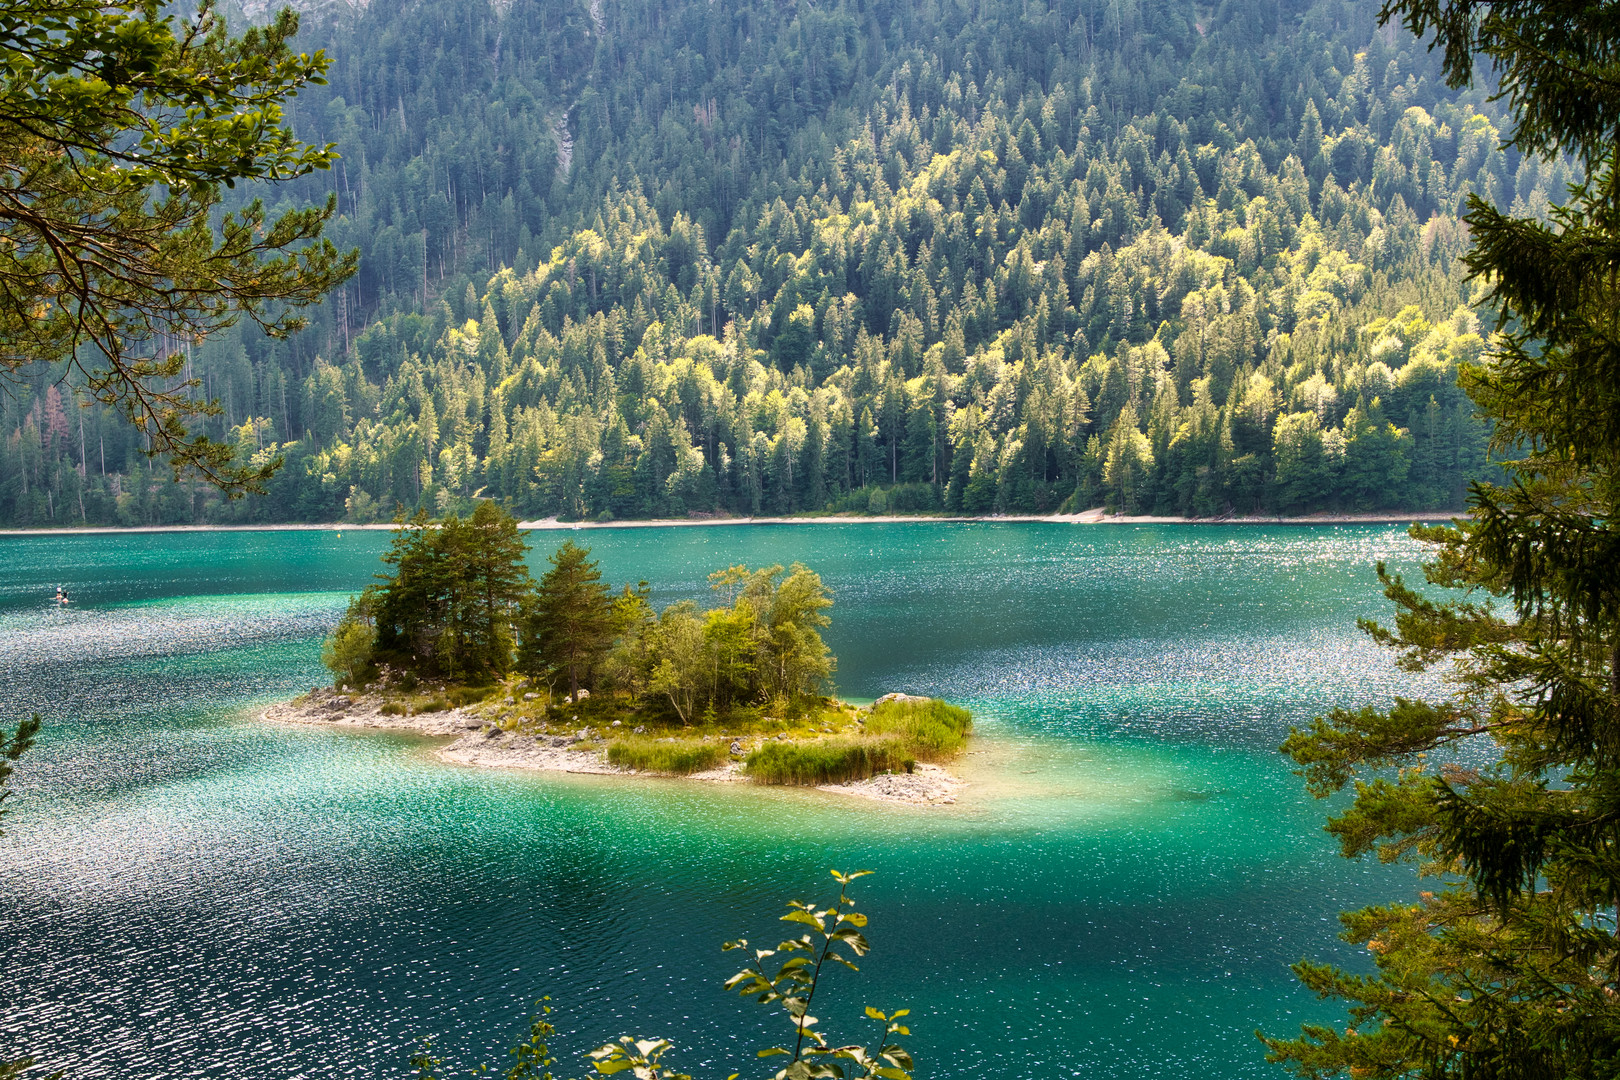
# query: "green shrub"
[437,704]
[826,761]
[683,758]
[468,695]
[347,649]
[931,730]
[392,708]
[913,498]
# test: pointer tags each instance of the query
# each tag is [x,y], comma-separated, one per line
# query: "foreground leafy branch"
[119,126]
[830,933]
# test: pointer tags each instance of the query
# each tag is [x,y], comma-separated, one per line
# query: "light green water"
[187,891]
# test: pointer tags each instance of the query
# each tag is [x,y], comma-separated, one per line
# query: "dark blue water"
[186,890]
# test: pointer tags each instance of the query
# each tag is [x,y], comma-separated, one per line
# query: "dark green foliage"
[795,255]
[681,757]
[1510,968]
[827,761]
[568,625]
[461,607]
[449,606]
[931,730]
[12,747]
[121,126]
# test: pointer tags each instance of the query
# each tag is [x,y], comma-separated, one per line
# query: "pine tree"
[498,583]
[569,626]
[121,125]
[449,606]
[12,747]
[1510,967]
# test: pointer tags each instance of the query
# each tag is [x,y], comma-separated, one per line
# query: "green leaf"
[853,938]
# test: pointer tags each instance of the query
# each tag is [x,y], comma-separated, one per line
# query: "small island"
[564,674]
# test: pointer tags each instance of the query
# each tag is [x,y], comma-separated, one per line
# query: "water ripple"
[187,892]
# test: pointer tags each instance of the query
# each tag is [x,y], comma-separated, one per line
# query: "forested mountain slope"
[653,257]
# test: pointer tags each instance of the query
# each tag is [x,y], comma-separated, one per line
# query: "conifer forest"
[657,258]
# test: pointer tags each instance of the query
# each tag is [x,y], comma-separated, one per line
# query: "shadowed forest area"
[644,258]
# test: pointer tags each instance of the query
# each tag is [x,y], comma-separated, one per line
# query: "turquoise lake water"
[187,891]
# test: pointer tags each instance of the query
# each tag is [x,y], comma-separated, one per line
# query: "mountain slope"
[652,257]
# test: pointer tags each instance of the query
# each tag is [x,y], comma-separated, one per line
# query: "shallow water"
[187,891]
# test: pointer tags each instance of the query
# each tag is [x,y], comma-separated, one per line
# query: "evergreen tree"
[535,277]
[12,747]
[449,606]
[121,126]
[499,583]
[569,626]
[1510,967]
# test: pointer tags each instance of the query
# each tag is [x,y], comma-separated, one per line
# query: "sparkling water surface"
[186,890]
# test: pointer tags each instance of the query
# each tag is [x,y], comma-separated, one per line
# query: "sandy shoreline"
[1090,517]
[476,741]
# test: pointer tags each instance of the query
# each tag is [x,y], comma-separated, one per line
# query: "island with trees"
[564,673]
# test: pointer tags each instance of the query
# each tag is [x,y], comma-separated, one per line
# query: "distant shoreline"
[1090,517]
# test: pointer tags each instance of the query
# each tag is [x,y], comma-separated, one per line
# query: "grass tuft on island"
[673,757]
[827,761]
[896,734]
[929,729]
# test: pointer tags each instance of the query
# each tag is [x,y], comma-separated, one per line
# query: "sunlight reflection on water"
[192,892]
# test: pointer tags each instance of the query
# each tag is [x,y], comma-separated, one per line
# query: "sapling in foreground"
[830,935]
